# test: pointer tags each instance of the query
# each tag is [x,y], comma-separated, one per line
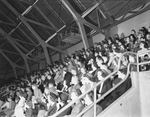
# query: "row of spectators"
[43,93]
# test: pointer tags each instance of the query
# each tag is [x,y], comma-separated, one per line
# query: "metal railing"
[95,88]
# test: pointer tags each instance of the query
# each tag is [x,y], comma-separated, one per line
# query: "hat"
[64,97]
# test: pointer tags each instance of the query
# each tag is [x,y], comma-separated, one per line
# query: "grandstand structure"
[32,31]
[65,47]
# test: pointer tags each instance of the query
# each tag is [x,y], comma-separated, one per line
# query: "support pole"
[13,65]
[46,55]
[83,35]
[20,52]
[79,21]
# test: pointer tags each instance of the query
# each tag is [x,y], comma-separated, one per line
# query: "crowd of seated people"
[43,93]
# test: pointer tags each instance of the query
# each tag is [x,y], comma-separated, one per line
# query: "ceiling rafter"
[14,28]
[101,12]
[8,33]
[20,30]
[13,65]
[29,8]
[9,51]
[81,17]
[44,45]
[12,42]
[116,22]
[98,17]
[64,7]
[7,17]
[5,41]
[40,24]
[21,41]
[17,39]
[80,3]
[50,22]
[89,10]
[54,11]
[125,4]
[24,42]
[106,10]
[81,21]
[31,40]
[36,22]
[7,23]
[1,38]
[51,37]
[27,1]
[25,58]
[12,61]
[20,46]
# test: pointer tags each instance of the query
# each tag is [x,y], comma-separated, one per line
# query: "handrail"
[81,96]
[108,92]
[123,54]
[144,62]
[144,51]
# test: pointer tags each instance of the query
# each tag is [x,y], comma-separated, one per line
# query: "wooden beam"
[31,40]
[52,36]
[106,24]
[21,41]
[22,18]
[13,44]
[7,23]
[4,50]
[53,11]
[40,24]
[7,17]
[13,65]
[51,23]
[27,1]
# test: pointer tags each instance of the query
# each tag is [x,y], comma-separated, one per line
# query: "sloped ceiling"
[46,17]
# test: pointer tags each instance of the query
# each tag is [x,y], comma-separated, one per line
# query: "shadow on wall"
[111,32]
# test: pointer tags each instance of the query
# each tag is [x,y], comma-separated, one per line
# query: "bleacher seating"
[89,80]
